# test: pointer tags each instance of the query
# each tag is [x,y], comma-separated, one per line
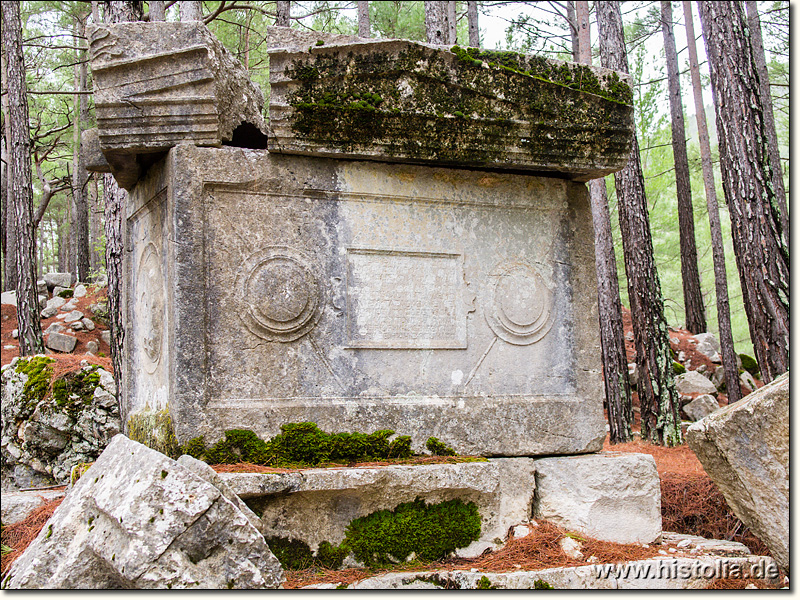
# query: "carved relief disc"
[150,306]
[279,294]
[521,308]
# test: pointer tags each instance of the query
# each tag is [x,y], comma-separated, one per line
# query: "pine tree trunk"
[20,184]
[190,10]
[660,406]
[572,23]
[157,10]
[79,175]
[472,24]
[8,232]
[757,46]
[363,19]
[762,253]
[452,33]
[95,225]
[717,246]
[436,22]
[115,200]
[692,294]
[612,340]
[283,13]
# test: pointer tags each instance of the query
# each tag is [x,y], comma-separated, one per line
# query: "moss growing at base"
[304,444]
[430,531]
[541,584]
[294,555]
[485,584]
[437,448]
[749,364]
[65,293]
[678,368]
[73,392]
[154,430]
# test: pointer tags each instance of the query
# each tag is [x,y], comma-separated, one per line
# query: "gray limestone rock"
[612,496]
[433,302]
[48,437]
[137,519]
[700,407]
[15,506]
[52,306]
[63,280]
[92,346]
[42,301]
[105,335]
[87,323]
[490,121]
[90,150]
[61,342]
[748,381]
[9,297]
[693,382]
[160,84]
[58,289]
[753,476]
[41,286]
[77,326]
[73,316]
[53,328]
[15,333]
[707,344]
[79,291]
[317,505]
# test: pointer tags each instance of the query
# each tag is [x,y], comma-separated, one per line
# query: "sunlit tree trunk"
[660,406]
[157,10]
[20,184]
[283,12]
[363,19]
[79,174]
[472,24]
[190,10]
[762,253]
[436,28]
[692,294]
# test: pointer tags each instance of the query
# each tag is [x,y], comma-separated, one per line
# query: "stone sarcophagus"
[405,291]
[268,289]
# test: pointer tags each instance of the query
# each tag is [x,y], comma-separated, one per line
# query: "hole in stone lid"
[247,135]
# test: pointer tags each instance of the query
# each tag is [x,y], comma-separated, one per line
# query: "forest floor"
[690,502]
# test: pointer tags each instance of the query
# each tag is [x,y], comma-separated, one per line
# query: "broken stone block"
[92,153]
[708,345]
[137,519]
[611,496]
[87,323]
[700,407]
[404,101]
[79,291]
[317,505]
[160,84]
[693,382]
[61,342]
[92,346]
[15,506]
[744,448]
[63,280]
[73,316]
[435,302]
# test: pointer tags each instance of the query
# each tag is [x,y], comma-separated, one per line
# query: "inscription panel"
[405,300]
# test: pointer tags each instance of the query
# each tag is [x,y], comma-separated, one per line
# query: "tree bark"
[572,23]
[452,33]
[95,225]
[762,253]
[660,406]
[115,200]
[190,10]
[692,294]
[363,19]
[612,339]
[9,232]
[472,24]
[157,10]
[436,29]
[79,175]
[717,246]
[20,184]
[283,12]
[757,45]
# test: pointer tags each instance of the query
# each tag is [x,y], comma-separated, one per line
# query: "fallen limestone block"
[160,84]
[15,506]
[61,342]
[53,280]
[317,505]
[137,519]
[693,382]
[611,496]
[678,573]
[744,448]
[700,407]
[9,298]
[708,345]
[404,101]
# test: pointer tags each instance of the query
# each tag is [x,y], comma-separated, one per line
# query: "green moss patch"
[75,391]
[39,374]
[430,531]
[749,364]
[301,445]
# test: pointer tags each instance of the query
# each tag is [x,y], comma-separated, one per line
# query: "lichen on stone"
[154,429]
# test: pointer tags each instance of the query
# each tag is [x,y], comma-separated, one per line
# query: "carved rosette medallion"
[520,310]
[279,294]
[150,307]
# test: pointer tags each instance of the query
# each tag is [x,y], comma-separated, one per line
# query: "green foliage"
[75,391]
[65,293]
[331,556]
[400,447]
[294,555]
[301,443]
[678,368]
[438,448]
[541,584]
[430,531]
[749,364]
[485,584]
[39,374]
[195,447]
